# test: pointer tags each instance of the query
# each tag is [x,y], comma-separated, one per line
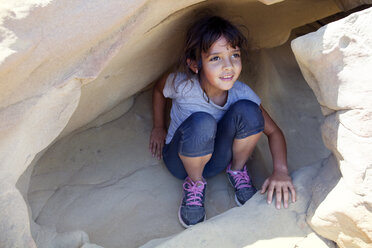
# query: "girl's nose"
[227,64]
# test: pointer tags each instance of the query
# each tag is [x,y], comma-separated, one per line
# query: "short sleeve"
[173,89]
[169,89]
[245,92]
[171,85]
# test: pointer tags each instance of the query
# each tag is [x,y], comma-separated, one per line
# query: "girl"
[216,121]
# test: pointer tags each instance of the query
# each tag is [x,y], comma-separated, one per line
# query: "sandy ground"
[104,181]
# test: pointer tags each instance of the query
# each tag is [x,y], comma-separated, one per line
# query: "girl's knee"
[248,109]
[244,105]
[203,124]
[198,135]
[248,118]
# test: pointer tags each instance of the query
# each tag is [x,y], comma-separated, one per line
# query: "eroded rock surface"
[255,224]
[336,62]
[65,63]
[115,191]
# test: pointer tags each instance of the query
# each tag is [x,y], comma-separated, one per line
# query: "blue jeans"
[200,134]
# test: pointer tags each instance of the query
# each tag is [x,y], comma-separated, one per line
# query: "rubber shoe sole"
[237,201]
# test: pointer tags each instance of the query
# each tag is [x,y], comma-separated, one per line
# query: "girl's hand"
[157,140]
[280,182]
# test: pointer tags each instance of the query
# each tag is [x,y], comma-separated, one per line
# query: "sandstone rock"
[48,113]
[255,224]
[65,63]
[114,190]
[96,171]
[336,61]
[291,103]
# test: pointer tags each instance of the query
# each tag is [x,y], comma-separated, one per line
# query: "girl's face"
[221,67]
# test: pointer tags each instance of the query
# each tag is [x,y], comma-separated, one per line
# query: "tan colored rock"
[254,225]
[336,62]
[49,113]
[113,190]
[65,63]
[155,34]
[93,181]
[290,102]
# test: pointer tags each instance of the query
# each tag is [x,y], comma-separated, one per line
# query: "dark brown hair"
[200,37]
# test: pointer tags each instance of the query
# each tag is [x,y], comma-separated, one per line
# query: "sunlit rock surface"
[69,66]
[255,224]
[81,182]
[335,61]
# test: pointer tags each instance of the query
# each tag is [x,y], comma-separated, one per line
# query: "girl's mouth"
[227,77]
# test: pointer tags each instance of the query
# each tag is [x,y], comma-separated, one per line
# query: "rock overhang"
[91,66]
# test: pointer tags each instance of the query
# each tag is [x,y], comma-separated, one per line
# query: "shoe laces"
[241,178]
[194,192]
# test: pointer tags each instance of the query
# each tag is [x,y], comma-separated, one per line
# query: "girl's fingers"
[150,146]
[278,191]
[293,192]
[153,151]
[158,151]
[270,194]
[161,151]
[285,196]
[264,186]
[156,145]
[281,192]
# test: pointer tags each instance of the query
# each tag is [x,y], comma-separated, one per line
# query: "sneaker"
[192,210]
[242,184]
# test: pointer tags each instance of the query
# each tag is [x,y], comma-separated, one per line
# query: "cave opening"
[102,180]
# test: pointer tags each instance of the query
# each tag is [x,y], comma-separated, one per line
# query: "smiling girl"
[216,121]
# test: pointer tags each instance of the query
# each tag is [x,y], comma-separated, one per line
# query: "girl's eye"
[215,58]
[236,55]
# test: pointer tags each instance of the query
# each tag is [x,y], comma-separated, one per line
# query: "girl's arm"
[158,132]
[279,181]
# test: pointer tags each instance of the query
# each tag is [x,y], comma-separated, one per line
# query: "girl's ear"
[193,65]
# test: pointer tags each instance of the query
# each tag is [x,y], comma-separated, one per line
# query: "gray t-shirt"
[188,97]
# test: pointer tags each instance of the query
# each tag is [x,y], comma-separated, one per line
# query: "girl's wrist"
[162,127]
[281,169]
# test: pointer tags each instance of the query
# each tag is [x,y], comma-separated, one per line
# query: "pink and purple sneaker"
[242,184]
[192,211]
